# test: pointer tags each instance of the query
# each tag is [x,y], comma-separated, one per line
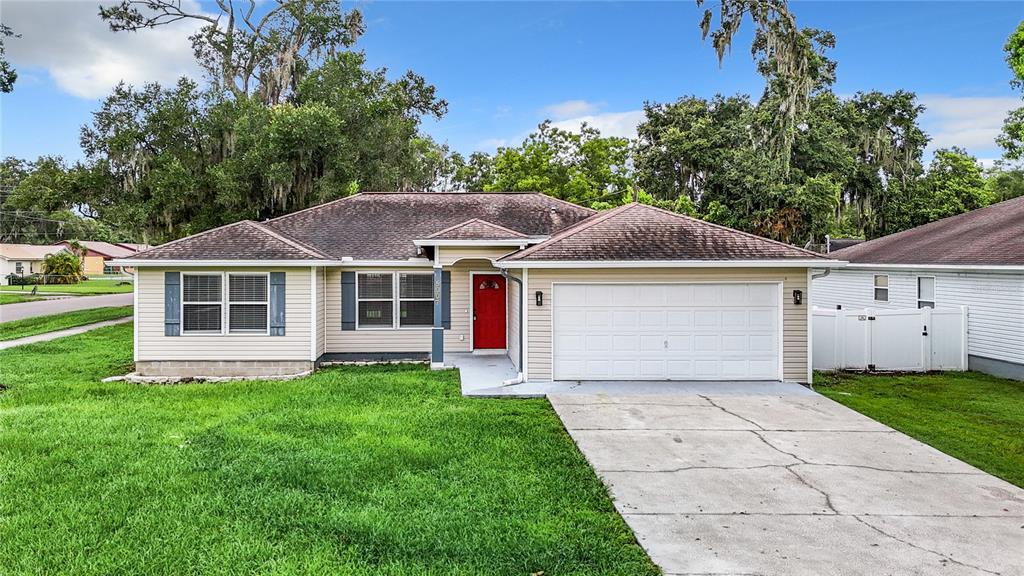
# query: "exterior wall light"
[798,297]
[540,298]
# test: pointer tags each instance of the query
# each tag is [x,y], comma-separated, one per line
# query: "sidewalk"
[11,312]
[61,333]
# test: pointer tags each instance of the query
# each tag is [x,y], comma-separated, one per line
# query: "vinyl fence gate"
[906,339]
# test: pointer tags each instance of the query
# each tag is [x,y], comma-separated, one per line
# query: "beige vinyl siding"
[452,254]
[794,318]
[154,346]
[368,340]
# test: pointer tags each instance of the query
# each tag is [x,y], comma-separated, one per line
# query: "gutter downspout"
[811,305]
[522,336]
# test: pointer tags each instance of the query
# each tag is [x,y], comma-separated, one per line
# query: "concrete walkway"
[11,312]
[791,485]
[60,333]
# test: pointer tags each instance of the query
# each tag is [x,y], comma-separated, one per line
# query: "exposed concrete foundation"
[1000,368]
[222,368]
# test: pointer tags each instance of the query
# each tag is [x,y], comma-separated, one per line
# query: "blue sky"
[505,67]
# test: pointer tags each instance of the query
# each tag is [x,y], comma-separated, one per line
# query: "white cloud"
[491,144]
[618,124]
[971,122]
[571,109]
[70,41]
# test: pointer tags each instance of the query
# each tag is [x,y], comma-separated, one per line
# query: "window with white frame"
[926,292]
[202,298]
[248,304]
[19,268]
[390,300]
[881,288]
[375,295]
[415,299]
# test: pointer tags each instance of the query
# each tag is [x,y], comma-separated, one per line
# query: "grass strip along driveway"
[355,470]
[43,324]
[17,298]
[972,416]
[90,287]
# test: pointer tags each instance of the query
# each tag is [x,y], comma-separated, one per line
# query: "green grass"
[975,417]
[16,298]
[355,471]
[42,324]
[85,287]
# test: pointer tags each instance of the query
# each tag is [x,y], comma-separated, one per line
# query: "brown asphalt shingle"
[640,232]
[245,240]
[382,226]
[993,235]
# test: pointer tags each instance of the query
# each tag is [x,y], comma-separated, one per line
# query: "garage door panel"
[666,331]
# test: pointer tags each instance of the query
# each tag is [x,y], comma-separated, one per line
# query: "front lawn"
[90,287]
[52,322]
[16,298]
[975,417]
[362,470]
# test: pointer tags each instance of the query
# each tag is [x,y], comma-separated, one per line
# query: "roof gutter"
[953,267]
[794,263]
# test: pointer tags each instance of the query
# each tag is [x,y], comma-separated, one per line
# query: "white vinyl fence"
[906,339]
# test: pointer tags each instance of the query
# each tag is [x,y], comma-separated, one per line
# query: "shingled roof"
[383,225]
[640,232]
[476,229]
[993,235]
[245,240]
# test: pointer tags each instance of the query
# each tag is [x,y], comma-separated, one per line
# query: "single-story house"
[633,293]
[98,255]
[23,259]
[974,260]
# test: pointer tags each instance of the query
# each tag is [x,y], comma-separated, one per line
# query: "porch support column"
[437,332]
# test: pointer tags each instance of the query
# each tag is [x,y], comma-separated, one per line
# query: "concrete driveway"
[791,485]
[11,312]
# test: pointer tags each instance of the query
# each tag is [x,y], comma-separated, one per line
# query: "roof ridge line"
[574,229]
[482,221]
[289,240]
[734,230]
[324,205]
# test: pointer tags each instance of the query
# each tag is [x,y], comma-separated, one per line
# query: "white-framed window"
[415,299]
[375,300]
[202,302]
[248,303]
[388,300]
[926,291]
[881,288]
[19,268]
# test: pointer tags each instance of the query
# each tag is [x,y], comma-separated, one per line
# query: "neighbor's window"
[926,292]
[19,268]
[415,299]
[376,300]
[201,298]
[881,288]
[248,306]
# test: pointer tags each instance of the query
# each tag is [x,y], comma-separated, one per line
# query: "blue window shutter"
[446,299]
[172,303]
[348,300]
[277,284]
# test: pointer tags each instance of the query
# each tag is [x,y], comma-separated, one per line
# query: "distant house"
[974,259]
[98,254]
[23,259]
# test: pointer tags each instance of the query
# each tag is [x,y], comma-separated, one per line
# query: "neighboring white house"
[974,260]
[23,259]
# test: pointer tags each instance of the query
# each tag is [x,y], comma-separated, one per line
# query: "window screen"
[201,288]
[926,292]
[416,299]
[375,292]
[247,303]
[201,303]
[881,288]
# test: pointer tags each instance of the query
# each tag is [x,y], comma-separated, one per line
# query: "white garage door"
[666,331]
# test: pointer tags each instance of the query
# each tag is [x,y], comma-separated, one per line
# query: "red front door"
[488,311]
